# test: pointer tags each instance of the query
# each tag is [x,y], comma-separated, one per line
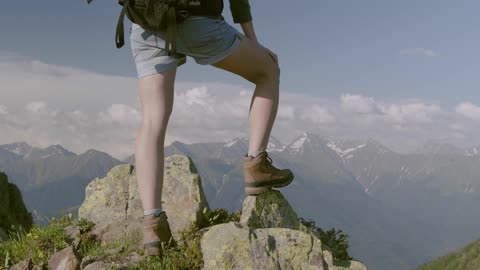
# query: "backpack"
[163,15]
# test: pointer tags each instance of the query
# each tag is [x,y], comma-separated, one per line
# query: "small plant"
[218,216]
[335,240]
[38,244]
[64,220]
[85,225]
[89,245]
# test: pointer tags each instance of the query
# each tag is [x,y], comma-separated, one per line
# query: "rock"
[127,261]
[268,210]
[23,265]
[114,205]
[38,267]
[13,210]
[233,246]
[73,233]
[96,266]
[42,266]
[183,196]
[86,261]
[65,259]
[268,236]
[134,257]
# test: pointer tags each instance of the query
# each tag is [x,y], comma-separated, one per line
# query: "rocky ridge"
[269,234]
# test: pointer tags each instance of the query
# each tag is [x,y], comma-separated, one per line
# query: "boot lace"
[268,161]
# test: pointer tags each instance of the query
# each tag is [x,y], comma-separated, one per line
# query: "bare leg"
[253,63]
[156,96]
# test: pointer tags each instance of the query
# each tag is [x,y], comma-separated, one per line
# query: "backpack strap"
[119,34]
[171,40]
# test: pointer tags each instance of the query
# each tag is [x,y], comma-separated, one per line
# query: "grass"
[42,241]
[38,244]
[188,253]
[468,258]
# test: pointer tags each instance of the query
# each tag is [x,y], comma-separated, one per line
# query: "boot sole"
[258,190]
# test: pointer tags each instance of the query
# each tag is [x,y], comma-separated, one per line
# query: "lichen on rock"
[113,203]
[233,246]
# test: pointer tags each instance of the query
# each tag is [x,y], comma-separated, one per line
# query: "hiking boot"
[156,234]
[260,175]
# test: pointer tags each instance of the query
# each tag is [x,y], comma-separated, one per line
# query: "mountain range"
[400,210]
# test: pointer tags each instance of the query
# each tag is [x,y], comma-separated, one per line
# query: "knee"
[270,74]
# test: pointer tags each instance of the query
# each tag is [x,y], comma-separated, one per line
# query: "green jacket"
[240,11]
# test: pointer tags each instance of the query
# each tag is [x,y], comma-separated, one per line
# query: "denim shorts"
[206,39]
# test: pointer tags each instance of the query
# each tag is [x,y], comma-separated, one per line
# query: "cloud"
[359,104]
[469,110]
[400,112]
[415,112]
[286,112]
[418,52]
[116,114]
[317,115]
[47,104]
[3,109]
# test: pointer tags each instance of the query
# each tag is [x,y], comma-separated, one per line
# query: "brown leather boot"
[260,175]
[156,231]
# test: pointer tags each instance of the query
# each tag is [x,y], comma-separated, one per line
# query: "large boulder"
[268,236]
[270,210]
[113,202]
[12,210]
[233,246]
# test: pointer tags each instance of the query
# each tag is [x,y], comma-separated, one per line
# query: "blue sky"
[324,47]
[402,72]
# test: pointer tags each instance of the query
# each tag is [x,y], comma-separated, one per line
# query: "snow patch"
[273,147]
[298,143]
[344,154]
[232,142]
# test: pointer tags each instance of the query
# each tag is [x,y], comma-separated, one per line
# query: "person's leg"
[156,95]
[253,63]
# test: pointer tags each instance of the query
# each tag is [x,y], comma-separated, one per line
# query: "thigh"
[207,39]
[156,97]
[148,53]
[249,60]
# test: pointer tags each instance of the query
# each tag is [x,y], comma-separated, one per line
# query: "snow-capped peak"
[53,150]
[20,148]
[344,153]
[298,144]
